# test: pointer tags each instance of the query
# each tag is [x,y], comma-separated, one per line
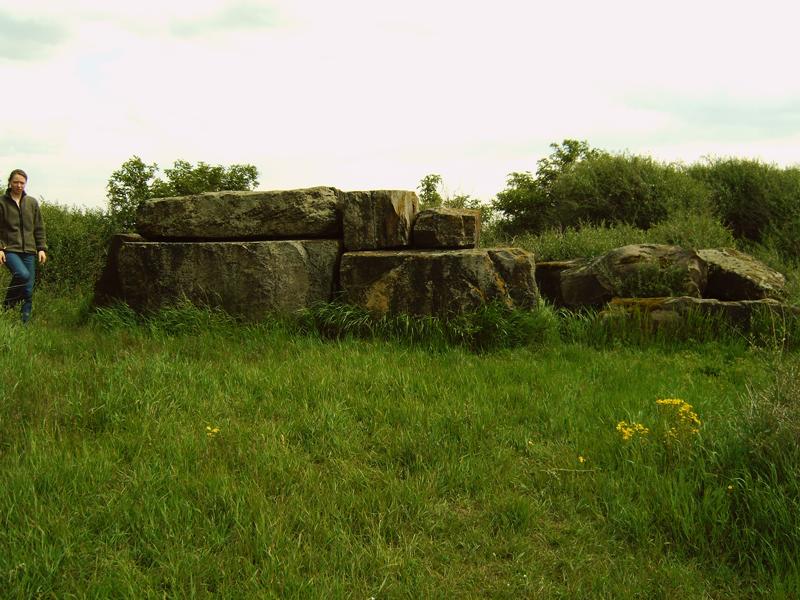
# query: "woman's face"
[17,184]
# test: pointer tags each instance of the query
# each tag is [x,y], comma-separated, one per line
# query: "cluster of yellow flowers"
[687,419]
[682,421]
[629,430]
[211,431]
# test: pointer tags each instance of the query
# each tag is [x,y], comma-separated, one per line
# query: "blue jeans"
[23,273]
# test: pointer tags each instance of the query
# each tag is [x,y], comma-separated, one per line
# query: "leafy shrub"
[635,190]
[754,199]
[578,185]
[77,242]
[527,203]
[135,182]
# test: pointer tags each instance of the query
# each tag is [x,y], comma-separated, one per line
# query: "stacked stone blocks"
[256,253]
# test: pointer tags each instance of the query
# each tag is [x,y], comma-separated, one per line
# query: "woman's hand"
[42,257]
[2,257]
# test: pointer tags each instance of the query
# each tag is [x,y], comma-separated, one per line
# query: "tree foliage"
[135,182]
[759,202]
[578,185]
[429,196]
[528,203]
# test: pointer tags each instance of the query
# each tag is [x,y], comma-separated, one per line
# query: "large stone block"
[248,279]
[675,310]
[107,287]
[734,275]
[438,282]
[287,214]
[636,270]
[548,278]
[378,219]
[447,228]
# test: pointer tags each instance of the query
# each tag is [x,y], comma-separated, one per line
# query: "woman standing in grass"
[22,239]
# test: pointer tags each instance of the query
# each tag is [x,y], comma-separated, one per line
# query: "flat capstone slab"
[281,214]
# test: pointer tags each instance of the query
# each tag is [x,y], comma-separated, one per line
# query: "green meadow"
[498,454]
[186,455]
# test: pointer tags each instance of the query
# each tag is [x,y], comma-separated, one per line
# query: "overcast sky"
[366,94]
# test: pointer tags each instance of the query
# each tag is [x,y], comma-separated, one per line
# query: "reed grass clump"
[492,326]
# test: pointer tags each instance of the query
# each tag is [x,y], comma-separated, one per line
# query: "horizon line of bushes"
[577,185]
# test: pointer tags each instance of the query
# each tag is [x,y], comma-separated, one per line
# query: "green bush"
[756,200]
[77,242]
[527,203]
[578,185]
[135,182]
[634,190]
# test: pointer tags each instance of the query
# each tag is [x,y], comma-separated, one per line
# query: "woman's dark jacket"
[21,228]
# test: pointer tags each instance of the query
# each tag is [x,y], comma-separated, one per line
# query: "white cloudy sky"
[374,94]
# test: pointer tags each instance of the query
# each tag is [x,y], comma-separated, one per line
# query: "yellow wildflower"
[629,430]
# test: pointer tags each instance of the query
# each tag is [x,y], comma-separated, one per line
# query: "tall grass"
[729,492]
[218,458]
[688,230]
[490,327]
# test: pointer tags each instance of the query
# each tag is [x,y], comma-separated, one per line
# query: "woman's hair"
[17,172]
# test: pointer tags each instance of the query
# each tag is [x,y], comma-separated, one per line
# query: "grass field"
[194,457]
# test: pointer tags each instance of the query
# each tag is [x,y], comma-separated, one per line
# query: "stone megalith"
[675,310]
[283,214]
[734,275]
[440,283]
[247,279]
[548,278]
[107,287]
[378,219]
[447,228]
[640,270]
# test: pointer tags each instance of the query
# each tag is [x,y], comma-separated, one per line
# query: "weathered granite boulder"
[734,275]
[674,310]
[447,228]
[378,219]
[548,278]
[437,282]
[288,214]
[641,270]
[248,279]
[107,287]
